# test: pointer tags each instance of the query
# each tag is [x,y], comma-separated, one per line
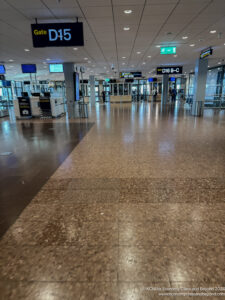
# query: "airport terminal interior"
[112,149]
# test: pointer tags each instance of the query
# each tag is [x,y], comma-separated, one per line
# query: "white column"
[92,89]
[165,82]
[201,69]
[68,69]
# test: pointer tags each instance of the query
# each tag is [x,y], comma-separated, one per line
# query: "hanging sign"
[57,34]
[207,52]
[169,70]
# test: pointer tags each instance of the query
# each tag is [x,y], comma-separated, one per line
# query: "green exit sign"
[168,50]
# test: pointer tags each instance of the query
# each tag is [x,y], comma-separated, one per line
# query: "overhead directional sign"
[130,74]
[207,52]
[169,70]
[57,35]
[168,50]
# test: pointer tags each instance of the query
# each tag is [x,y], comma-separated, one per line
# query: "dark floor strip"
[31,153]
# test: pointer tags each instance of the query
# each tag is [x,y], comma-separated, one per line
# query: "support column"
[201,69]
[165,82]
[92,89]
[68,69]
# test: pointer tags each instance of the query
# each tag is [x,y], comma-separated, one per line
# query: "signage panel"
[130,74]
[24,106]
[168,50]
[207,52]
[169,70]
[57,34]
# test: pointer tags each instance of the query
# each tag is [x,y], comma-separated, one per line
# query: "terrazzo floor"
[137,209]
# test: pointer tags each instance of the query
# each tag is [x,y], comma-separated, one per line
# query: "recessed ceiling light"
[157,46]
[26,50]
[124,57]
[144,63]
[48,58]
[192,45]
[213,31]
[85,58]
[149,56]
[138,52]
[126,28]
[123,63]
[11,60]
[185,37]
[75,49]
[127,11]
[219,63]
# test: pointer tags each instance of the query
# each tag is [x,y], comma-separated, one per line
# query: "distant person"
[103,96]
[174,94]
[170,94]
[154,94]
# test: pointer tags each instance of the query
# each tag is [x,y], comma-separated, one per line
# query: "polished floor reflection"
[138,205]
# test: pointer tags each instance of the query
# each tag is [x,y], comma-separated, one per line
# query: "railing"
[217,102]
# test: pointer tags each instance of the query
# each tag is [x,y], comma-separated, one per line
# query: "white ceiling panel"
[157,10]
[100,12]
[26,3]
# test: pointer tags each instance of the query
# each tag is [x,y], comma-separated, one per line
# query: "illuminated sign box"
[207,52]
[57,35]
[169,70]
[130,74]
[168,50]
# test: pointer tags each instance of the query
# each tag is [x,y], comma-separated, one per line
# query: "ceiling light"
[212,31]
[127,11]
[208,66]
[149,56]
[219,63]
[126,28]
[27,50]
[85,58]
[123,63]
[75,49]
[124,57]
[157,46]
[185,37]
[138,52]
[48,58]
[192,45]
[144,63]
[11,60]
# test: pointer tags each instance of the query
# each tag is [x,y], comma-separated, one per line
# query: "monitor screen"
[151,79]
[56,68]
[29,68]
[2,69]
